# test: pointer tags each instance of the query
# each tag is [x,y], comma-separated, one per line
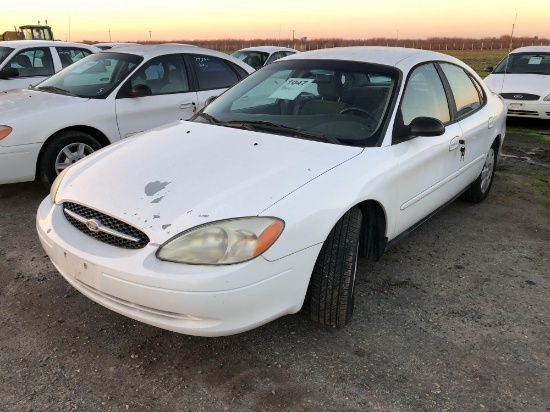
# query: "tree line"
[431,43]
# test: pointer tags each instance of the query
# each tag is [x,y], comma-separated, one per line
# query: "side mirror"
[210,100]
[489,69]
[426,126]
[8,72]
[140,90]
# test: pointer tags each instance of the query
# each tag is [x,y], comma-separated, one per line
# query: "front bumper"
[191,299]
[535,109]
[18,163]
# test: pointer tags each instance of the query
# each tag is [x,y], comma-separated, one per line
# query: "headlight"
[56,183]
[223,242]
[546,99]
[4,131]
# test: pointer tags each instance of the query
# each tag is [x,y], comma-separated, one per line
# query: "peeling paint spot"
[158,199]
[190,211]
[165,226]
[49,230]
[153,188]
[156,216]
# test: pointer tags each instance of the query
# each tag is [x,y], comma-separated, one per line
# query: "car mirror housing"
[8,72]
[210,100]
[140,90]
[488,69]
[426,126]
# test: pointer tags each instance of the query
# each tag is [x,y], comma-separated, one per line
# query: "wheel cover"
[487,171]
[71,154]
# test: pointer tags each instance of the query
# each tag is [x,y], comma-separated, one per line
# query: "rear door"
[212,76]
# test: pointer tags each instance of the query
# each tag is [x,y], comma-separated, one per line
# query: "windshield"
[336,101]
[5,52]
[256,59]
[95,76]
[525,63]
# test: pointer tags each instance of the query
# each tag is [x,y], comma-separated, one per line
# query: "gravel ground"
[455,318]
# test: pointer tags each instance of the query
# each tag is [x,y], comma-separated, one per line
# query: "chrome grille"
[523,112]
[520,96]
[109,230]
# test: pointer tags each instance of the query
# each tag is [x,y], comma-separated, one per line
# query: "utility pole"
[109,35]
[150,31]
[293,38]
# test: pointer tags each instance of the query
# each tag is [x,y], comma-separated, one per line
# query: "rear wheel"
[332,285]
[62,151]
[479,189]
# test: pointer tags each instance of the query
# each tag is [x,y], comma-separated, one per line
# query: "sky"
[166,20]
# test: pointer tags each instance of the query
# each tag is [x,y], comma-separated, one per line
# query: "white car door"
[166,96]
[427,165]
[474,120]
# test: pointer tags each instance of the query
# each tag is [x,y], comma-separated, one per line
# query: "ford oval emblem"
[518,96]
[93,225]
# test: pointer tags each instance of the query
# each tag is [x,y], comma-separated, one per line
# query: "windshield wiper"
[255,124]
[208,117]
[56,90]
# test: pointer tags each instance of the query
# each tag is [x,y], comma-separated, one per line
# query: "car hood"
[175,177]
[19,103]
[519,83]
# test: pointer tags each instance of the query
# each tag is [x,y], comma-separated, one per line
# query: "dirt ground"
[456,318]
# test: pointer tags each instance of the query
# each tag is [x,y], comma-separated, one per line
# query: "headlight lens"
[223,242]
[4,131]
[56,183]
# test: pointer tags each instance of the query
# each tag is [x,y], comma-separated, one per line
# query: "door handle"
[454,143]
[186,105]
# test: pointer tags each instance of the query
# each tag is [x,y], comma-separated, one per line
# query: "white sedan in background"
[523,80]
[259,56]
[103,98]
[220,224]
[28,62]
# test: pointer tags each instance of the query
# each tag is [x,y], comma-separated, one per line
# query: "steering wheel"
[362,112]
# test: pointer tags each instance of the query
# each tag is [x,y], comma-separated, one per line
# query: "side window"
[466,95]
[213,73]
[70,55]
[33,62]
[275,56]
[163,75]
[424,96]
[240,71]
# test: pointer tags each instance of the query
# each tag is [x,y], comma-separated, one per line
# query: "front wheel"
[479,189]
[332,285]
[62,151]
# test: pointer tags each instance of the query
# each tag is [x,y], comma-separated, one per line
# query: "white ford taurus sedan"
[270,194]
[523,79]
[104,98]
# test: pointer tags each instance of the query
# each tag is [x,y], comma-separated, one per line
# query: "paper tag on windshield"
[291,89]
[535,60]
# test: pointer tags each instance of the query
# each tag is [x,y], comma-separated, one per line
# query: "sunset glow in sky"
[165,20]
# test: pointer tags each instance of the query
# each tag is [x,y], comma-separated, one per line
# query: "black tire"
[479,189]
[80,144]
[332,286]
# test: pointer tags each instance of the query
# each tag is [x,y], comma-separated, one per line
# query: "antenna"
[509,51]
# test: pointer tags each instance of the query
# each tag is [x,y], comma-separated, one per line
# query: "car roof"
[150,51]
[44,43]
[268,49]
[532,49]
[401,57]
